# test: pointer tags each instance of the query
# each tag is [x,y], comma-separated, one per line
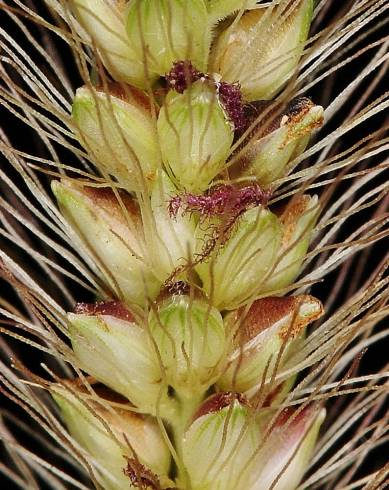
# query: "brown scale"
[126,93]
[109,308]
[219,401]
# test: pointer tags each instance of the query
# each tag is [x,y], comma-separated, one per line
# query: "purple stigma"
[182,75]
[221,200]
[231,98]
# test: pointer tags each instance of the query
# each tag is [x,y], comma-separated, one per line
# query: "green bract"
[263,48]
[219,9]
[260,332]
[118,131]
[225,447]
[113,237]
[191,340]
[104,23]
[104,344]
[298,221]
[112,441]
[219,445]
[265,156]
[164,31]
[195,136]
[255,253]
[236,269]
[171,241]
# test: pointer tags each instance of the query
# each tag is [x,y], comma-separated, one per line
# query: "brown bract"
[265,312]
[291,214]
[121,209]
[105,198]
[127,93]
[110,308]
[219,401]
[295,416]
